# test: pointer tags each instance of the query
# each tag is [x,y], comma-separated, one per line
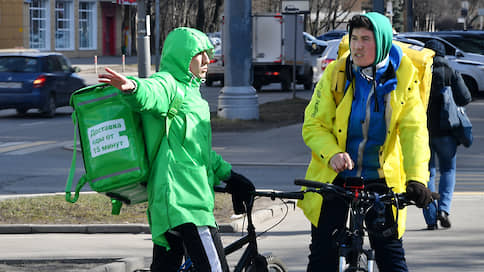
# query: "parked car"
[309,40]
[471,41]
[41,80]
[329,54]
[470,65]
[332,35]
[216,66]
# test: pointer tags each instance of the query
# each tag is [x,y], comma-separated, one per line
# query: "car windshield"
[467,44]
[19,64]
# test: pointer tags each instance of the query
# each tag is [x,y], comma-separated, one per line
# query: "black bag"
[454,118]
[463,132]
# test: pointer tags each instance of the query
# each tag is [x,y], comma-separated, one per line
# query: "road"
[34,160]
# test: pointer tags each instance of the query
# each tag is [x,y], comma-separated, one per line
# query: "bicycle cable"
[279,222]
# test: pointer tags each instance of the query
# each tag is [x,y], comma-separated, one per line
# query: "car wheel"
[257,84]
[21,111]
[49,107]
[286,80]
[209,83]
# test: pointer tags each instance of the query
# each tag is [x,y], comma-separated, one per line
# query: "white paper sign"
[104,137]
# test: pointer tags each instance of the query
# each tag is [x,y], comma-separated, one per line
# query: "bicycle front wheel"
[274,264]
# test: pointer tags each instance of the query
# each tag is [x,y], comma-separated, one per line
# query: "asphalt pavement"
[107,248]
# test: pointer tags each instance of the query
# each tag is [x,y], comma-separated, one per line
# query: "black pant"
[389,253]
[186,236]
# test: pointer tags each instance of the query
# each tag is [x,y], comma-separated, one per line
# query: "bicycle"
[251,260]
[350,241]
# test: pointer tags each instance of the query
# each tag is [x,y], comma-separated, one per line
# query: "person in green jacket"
[185,168]
[365,121]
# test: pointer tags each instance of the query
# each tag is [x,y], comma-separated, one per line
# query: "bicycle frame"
[251,252]
[350,246]
[251,256]
[351,240]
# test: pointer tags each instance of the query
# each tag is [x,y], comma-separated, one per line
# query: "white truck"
[278,42]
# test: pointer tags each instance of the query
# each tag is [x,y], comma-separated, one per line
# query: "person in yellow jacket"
[372,127]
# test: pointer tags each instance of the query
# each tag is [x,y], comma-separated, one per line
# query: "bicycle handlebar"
[390,197]
[272,194]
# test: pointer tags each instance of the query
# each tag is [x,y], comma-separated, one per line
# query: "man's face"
[362,47]
[199,65]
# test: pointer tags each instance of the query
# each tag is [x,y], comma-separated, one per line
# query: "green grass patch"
[91,208]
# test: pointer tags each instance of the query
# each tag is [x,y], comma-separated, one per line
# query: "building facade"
[77,28]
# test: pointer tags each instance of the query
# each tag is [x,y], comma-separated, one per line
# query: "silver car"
[329,54]
[216,67]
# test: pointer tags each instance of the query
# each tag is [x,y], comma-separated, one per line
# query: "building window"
[87,25]
[39,24]
[64,16]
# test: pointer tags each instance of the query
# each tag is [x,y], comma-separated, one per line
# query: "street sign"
[300,6]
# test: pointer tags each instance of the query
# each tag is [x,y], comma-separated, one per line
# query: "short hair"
[359,21]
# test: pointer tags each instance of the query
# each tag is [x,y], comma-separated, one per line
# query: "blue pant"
[389,253]
[444,149]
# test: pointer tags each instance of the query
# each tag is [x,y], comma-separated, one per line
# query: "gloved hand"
[417,192]
[240,188]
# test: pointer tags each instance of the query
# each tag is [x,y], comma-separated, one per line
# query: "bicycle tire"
[274,264]
[362,265]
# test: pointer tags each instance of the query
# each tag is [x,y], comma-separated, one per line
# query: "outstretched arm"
[117,80]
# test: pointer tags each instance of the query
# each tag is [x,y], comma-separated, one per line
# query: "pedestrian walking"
[368,123]
[443,145]
[186,168]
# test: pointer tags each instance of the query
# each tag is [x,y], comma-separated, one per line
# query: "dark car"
[332,35]
[36,80]
[468,41]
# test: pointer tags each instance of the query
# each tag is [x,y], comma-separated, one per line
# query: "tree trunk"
[200,24]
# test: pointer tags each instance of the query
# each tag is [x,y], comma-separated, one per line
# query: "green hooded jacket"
[185,169]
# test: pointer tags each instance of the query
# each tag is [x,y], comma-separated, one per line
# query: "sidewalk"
[459,248]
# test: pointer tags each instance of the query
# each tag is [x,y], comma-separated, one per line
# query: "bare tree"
[329,14]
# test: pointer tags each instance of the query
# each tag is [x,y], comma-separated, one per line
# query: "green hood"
[382,28]
[180,46]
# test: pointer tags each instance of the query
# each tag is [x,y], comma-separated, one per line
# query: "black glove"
[417,192]
[240,188]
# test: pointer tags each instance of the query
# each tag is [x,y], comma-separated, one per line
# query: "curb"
[258,217]
[123,265]
[66,228]
[238,225]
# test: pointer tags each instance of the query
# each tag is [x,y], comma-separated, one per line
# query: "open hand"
[116,80]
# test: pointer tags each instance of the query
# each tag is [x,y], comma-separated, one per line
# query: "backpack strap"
[172,112]
[174,108]
[338,86]
[82,181]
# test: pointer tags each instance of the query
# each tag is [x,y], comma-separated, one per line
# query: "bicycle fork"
[356,264]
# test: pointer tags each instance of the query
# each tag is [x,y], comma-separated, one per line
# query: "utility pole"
[157,35]
[409,17]
[379,6]
[238,99]
[143,38]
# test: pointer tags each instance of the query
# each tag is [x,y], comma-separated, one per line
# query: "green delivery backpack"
[112,144]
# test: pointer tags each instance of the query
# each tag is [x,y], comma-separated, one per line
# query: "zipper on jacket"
[364,129]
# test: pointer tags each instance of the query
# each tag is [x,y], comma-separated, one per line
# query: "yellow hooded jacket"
[405,153]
